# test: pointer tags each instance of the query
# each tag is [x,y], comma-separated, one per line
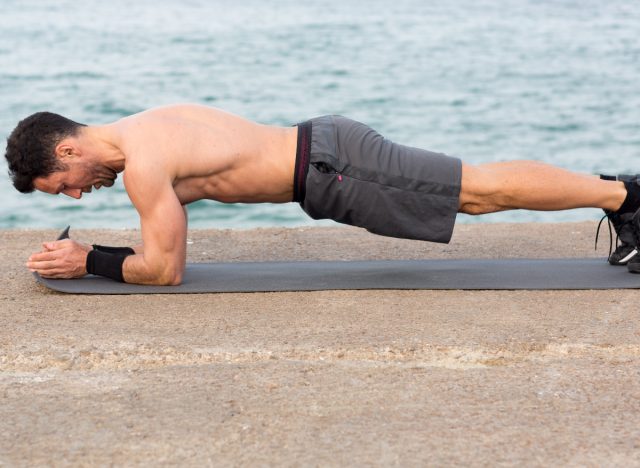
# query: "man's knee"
[480,191]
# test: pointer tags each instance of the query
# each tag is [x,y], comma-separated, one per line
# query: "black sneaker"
[627,246]
[634,263]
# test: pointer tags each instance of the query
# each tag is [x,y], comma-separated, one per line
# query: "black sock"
[608,177]
[632,201]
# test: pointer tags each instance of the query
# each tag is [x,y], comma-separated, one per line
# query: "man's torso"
[211,154]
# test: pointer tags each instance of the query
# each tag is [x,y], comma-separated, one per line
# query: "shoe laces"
[610,235]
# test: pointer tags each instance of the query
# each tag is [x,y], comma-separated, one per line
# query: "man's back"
[209,154]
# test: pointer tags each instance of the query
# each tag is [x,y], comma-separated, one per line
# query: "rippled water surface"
[551,80]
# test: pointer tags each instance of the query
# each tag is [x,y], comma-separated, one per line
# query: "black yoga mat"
[574,273]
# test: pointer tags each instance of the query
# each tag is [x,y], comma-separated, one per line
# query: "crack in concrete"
[143,356]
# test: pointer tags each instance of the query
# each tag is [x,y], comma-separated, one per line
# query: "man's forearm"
[137,270]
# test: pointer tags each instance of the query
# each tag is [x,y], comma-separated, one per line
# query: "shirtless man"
[334,167]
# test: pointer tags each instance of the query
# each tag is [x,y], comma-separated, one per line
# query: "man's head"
[33,145]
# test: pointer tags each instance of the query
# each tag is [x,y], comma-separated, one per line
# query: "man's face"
[77,179]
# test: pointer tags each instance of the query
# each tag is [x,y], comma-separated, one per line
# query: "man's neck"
[103,142]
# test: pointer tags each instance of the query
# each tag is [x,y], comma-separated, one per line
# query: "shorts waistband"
[303,150]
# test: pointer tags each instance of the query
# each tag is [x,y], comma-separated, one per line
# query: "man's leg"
[532,185]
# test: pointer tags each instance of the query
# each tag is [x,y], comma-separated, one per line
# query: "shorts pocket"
[326,163]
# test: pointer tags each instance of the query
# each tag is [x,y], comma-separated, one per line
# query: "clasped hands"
[60,259]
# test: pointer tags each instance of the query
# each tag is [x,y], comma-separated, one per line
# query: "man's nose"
[73,193]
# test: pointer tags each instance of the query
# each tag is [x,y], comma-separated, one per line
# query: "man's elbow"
[169,277]
[159,273]
[174,278]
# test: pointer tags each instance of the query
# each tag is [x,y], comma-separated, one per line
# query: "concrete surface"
[386,378]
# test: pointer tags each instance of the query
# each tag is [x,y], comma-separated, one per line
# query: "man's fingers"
[56,272]
[59,259]
[51,274]
[43,256]
[43,265]
[51,250]
[56,245]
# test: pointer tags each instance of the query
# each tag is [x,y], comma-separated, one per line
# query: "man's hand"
[60,259]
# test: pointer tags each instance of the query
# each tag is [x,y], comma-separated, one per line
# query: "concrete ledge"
[322,378]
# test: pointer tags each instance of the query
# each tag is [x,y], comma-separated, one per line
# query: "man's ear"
[66,150]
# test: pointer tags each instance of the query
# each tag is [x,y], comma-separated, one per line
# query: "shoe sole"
[633,267]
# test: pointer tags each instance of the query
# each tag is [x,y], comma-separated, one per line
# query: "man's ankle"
[631,202]
[631,195]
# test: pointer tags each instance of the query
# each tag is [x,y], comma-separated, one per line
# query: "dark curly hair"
[31,147]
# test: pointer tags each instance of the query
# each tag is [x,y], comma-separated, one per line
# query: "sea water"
[485,80]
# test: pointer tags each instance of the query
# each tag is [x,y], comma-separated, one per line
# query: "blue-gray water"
[486,80]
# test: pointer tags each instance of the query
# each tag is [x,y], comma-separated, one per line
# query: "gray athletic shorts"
[348,172]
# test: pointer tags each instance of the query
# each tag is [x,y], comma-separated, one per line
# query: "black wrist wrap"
[114,250]
[106,264]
